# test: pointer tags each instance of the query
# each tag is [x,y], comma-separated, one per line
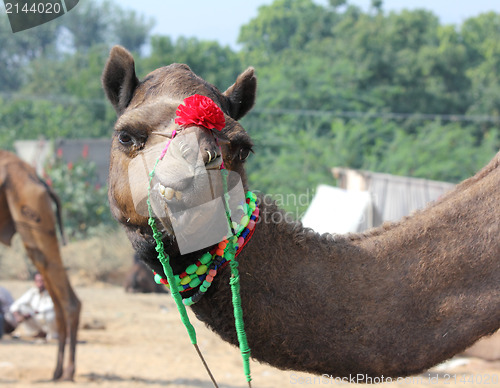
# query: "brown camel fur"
[393,301]
[139,279]
[26,208]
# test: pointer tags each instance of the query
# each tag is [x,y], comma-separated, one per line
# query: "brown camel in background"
[393,301]
[139,279]
[26,208]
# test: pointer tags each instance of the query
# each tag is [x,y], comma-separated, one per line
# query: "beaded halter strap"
[201,274]
[202,111]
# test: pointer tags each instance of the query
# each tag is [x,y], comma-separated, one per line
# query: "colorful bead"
[195,282]
[191,269]
[196,297]
[157,278]
[201,269]
[251,196]
[206,258]
[201,273]
[207,284]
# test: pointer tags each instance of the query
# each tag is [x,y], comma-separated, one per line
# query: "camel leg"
[67,309]
[38,232]
[72,308]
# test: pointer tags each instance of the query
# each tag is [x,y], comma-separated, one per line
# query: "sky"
[220,20]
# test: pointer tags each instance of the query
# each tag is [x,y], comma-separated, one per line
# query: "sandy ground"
[137,340]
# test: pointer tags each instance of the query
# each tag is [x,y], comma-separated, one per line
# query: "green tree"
[479,36]
[131,29]
[283,24]
[84,202]
[105,22]
[21,48]
[216,64]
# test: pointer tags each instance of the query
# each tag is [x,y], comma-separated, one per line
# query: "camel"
[393,301]
[26,208]
[139,280]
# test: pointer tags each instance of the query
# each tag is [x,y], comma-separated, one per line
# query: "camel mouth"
[168,193]
[215,164]
[195,214]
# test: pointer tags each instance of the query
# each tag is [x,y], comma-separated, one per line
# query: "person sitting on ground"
[34,311]
[6,300]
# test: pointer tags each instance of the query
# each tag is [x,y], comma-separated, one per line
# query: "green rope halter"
[234,282]
[235,288]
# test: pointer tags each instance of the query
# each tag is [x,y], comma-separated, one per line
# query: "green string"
[238,317]
[164,260]
[235,288]
[234,281]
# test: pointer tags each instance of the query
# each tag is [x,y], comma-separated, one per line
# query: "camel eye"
[244,152]
[125,139]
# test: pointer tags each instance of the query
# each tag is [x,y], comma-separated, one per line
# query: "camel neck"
[384,302]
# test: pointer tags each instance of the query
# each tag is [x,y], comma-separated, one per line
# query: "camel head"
[188,177]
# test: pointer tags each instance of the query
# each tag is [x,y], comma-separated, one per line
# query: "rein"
[202,111]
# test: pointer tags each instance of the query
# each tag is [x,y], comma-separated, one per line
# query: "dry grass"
[106,258]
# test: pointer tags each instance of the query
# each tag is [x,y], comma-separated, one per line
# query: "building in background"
[366,199]
[39,152]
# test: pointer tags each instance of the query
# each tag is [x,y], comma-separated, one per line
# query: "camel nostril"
[184,148]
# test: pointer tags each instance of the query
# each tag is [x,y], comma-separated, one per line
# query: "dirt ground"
[137,340]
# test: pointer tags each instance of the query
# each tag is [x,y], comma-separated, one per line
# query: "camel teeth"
[162,189]
[169,193]
[178,195]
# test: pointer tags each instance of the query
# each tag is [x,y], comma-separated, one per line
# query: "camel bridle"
[202,111]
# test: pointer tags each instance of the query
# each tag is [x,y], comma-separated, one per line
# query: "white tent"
[334,210]
[367,199]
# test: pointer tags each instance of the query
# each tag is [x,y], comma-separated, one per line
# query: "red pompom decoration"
[200,111]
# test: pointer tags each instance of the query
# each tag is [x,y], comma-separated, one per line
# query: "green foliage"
[21,48]
[217,65]
[338,86]
[85,207]
[325,70]
[105,22]
[290,160]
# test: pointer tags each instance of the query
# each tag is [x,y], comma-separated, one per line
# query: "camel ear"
[241,95]
[119,79]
